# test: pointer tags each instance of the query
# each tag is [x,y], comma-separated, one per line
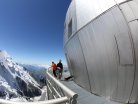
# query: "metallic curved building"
[101,47]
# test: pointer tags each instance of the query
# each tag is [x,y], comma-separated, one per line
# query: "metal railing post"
[72,96]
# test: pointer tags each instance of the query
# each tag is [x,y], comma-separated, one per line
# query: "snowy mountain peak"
[4,54]
[14,79]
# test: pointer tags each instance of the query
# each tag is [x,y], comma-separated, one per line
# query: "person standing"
[54,67]
[60,68]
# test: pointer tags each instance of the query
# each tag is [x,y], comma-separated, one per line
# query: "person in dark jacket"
[60,68]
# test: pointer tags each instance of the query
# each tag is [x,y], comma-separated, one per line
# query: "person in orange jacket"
[54,67]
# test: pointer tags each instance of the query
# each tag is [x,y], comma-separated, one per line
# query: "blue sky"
[31,31]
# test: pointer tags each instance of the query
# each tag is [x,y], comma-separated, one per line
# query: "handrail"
[53,101]
[65,91]
[63,87]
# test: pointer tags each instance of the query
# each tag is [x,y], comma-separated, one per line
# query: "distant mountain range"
[15,80]
[38,72]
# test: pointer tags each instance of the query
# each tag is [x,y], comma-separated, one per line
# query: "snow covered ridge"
[15,82]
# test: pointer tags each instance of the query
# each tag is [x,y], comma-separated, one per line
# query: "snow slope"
[14,80]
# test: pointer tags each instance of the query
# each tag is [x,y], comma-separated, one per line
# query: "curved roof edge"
[85,11]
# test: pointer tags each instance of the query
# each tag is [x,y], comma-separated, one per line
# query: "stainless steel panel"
[100,52]
[129,78]
[65,38]
[123,38]
[125,72]
[124,49]
[90,53]
[134,6]
[103,68]
[87,10]
[77,61]
[69,64]
[134,30]
[136,1]
[127,12]
[105,23]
